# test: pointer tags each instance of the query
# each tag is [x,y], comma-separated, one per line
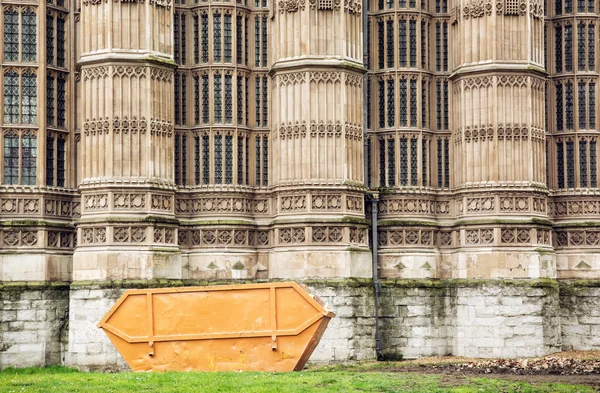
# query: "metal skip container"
[253,327]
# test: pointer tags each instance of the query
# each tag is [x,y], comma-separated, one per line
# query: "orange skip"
[254,327]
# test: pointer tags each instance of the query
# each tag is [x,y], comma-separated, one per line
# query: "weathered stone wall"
[33,323]
[580,314]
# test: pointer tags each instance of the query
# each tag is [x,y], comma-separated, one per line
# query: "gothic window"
[560,160]
[593,179]
[581,110]
[445,46]
[29,97]
[412,27]
[402,42]
[446,117]
[581,46]
[547,163]
[204,42]
[218,159]
[49,38]
[258,101]
[382,162]
[423,45]
[257,39]
[570,165]
[183,159]
[413,4]
[247,160]
[568,48]
[264,41]
[591,47]
[424,162]
[446,163]
[438,47]
[559,107]
[558,7]
[50,97]
[246,40]
[177,102]
[391,103]
[183,99]
[265,102]
[368,54]
[205,159]
[368,87]
[247,101]
[55,99]
[218,99]
[11,97]
[238,39]
[183,39]
[592,105]
[180,160]
[50,159]
[558,49]
[438,103]
[28,35]
[180,98]
[403,161]
[265,161]
[61,100]
[20,97]
[381,104]
[403,103]
[228,159]
[583,175]
[390,3]
[568,6]
[196,99]
[390,43]
[228,99]
[20,154]
[240,99]
[413,162]
[445,6]
[217,38]
[401,3]
[60,161]
[240,160]
[11,35]
[380,44]
[205,95]
[391,153]
[413,103]
[591,6]
[380,4]
[227,38]
[176,44]
[569,105]
[546,46]
[197,159]
[438,6]
[440,164]
[424,106]
[580,5]
[369,162]
[258,161]
[196,39]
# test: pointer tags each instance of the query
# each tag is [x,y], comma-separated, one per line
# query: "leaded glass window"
[369,162]
[196,39]
[11,37]
[390,43]
[570,165]
[440,164]
[403,95]
[446,163]
[381,104]
[240,99]
[413,102]
[61,100]
[581,112]
[247,102]
[217,46]
[28,159]
[205,159]
[258,161]
[227,38]
[402,3]
[568,6]
[176,54]
[257,41]
[593,178]
[581,46]
[591,6]
[196,99]
[265,163]
[11,158]
[382,162]
[438,47]
[197,159]
[423,45]
[413,162]
[591,47]
[29,35]
[265,102]
[257,81]
[446,116]
[445,46]
[264,41]
[49,38]
[391,153]
[204,43]
[583,176]
[559,107]
[183,40]
[580,5]
[390,3]
[368,54]
[424,159]
[183,159]
[60,162]
[558,49]
[238,39]
[368,87]
[402,36]
[218,100]
[569,105]
[247,160]
[240,160]
[177,98]
[60,41]
[438,103]
[403,161]
[228,99]
[205,94]
[592,105]
[568,48]
[228,159]
[49,159]
[183,99]
[380,4]
[391,115]
[380,43]
[424,106]
[177,154]
[218,159]
[50,95]
[11,97]
[246,42]
[29,97]
[558,7]
[412,27]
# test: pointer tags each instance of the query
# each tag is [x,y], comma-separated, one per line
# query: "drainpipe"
[374,196]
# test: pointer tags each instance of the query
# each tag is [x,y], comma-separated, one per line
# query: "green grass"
[59,379]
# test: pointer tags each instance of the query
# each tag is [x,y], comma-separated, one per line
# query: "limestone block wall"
[33,323]
[580,315]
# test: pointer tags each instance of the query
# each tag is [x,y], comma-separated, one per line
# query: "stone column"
[127,143]
[317,163]
[499,140]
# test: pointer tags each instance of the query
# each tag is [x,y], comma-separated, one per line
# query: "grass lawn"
[58,379]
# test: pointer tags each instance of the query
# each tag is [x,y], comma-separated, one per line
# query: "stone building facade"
[251,139]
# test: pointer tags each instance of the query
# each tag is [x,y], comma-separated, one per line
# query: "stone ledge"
[15,286]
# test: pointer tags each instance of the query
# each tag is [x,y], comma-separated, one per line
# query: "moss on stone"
[217,222]
[583,224]
[18,286]
[406,223]
[160,60]
[35,223]
[533,221]
[343,220]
